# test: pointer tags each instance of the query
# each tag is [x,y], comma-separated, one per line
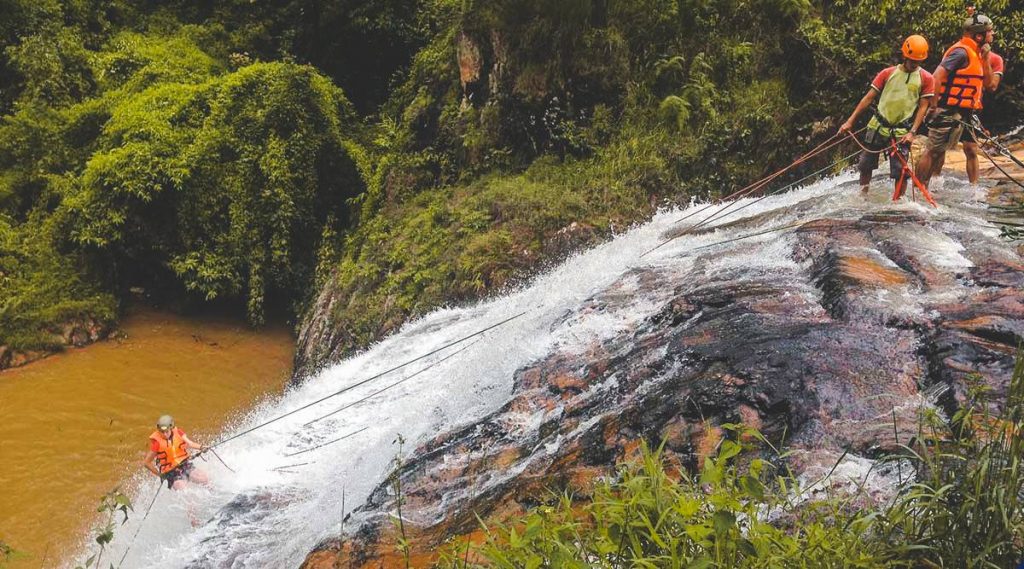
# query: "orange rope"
[917,183]
[828,143]
[761,184]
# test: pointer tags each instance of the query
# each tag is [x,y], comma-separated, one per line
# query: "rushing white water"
[262,517]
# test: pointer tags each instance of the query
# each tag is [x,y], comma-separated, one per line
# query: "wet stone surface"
[877,316]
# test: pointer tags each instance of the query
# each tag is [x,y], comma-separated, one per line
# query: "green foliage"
[960,508]
[223,180]
[966,509]
[652,516]
[111,504]
[41,289]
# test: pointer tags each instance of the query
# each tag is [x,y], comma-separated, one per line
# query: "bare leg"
[924,165]
[971,152]
[938,164]
[199,477]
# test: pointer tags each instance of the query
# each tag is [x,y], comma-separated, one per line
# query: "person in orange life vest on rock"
[960,80]
[995,62]
[169,457]
[903,91]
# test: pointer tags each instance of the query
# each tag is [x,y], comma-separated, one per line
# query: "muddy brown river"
[75,425]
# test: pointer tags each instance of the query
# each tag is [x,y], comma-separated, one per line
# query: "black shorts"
[184,471]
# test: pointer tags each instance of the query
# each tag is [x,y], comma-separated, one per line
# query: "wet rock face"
[875,317]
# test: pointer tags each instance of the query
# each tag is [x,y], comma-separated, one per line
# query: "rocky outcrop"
[861,321]
[77,332]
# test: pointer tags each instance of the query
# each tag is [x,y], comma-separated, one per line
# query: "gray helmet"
[165,421]
[977,24]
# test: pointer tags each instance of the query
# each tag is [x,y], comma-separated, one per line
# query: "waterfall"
[263,516]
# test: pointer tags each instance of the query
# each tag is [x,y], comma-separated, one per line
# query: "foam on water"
[261,517]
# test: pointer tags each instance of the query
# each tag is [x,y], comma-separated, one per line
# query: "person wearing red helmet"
[902,91]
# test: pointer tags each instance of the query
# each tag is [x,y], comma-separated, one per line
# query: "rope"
[383,389]
[748,236]
[304,451]
[913,177]
[367,380]
[746,189]
[764,182]
[138,529]
[719,214]
[222,461]
[865,148]
[1004,151]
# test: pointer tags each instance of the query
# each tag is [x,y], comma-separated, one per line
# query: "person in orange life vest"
[903,91]
[169,457]
[960,81]
[995,61]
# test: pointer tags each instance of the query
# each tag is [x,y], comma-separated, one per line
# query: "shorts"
[184,470]
[878,146]
[869,160]
[946,128]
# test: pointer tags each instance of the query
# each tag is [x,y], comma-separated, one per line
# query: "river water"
[75,425]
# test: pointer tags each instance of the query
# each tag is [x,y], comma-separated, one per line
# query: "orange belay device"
[901,184]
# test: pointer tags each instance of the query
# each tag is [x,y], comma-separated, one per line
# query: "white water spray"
[262,517]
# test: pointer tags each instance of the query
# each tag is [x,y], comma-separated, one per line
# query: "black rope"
[279,468]
[367,380]
[304,451]
[718,215]
[222,461]
[383,389]
[748,236]
[138,529]
[1003,151]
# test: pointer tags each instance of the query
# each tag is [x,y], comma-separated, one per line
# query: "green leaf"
[723,521]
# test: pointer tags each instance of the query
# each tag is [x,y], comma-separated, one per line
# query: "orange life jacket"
[170,454]
[963,88]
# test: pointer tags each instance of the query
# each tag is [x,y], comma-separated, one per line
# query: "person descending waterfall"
[903,91]
[960,80]
[169,456]
[970,145]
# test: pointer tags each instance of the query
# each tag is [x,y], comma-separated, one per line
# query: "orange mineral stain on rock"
[870,272]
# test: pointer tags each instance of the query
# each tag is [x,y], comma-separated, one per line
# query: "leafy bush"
[961,507]
[41,288]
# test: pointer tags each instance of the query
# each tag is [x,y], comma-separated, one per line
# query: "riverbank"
[75,424]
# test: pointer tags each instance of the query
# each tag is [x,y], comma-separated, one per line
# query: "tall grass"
[960,508]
